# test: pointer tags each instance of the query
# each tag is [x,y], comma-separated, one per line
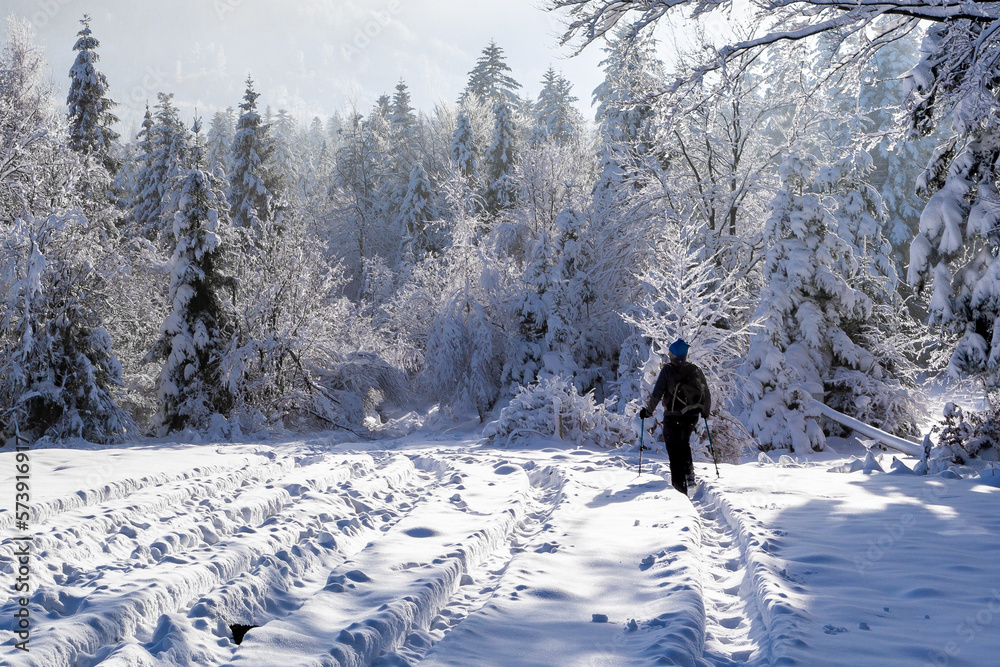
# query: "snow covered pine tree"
[190,390]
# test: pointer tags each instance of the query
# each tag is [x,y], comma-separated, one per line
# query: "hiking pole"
[642,432]
[711,448]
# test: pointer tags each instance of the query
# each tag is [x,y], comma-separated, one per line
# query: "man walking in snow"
[683,389]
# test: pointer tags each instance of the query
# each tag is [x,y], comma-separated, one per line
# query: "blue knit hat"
[679,348]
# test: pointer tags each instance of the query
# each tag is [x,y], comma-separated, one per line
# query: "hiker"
[684,391]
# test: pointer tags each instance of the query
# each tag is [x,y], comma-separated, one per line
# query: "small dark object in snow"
[239,630]
[600,618]
[864,626]
[833,630]
[632,625]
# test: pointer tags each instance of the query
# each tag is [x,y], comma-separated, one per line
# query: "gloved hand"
[644,413]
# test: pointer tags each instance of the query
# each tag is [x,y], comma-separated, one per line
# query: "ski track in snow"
[734,629]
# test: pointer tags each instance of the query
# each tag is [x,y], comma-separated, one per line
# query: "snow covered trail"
[429,549]
[396,555]
[608,577]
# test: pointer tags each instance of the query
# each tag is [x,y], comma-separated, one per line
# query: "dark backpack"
[683,394]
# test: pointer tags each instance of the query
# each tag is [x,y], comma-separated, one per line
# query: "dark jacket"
[677,380]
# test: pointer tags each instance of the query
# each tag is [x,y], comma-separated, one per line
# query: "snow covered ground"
[431,549]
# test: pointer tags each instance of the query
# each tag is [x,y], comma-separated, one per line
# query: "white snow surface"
[435,549]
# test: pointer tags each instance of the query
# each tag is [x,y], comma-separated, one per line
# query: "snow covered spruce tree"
[548,309]
[625,117]
[190,390]
[556,119]
[463,152]
[90,117]
[415,215]
[955,252]
[827,311]
[251,199]
[883,92]
[490,81]
[530,312]
[403,128]
[59,374]
[567,344]
[169,144]
[221,132]
[499,162]
[285,161]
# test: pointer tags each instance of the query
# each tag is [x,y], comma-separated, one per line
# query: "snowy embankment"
[430,549]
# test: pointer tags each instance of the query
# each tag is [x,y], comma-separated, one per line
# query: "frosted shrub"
[961,438]
[554,408]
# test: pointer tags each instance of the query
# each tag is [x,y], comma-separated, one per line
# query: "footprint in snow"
[420,532]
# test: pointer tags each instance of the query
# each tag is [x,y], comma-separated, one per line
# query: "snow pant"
[677,430]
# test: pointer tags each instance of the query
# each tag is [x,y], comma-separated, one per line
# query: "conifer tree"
[221,132]
[317,165]
[250,198]
[170,144]
[877,382]
[284,158]
[141,206]
[624,115]
[402,143]
[881,96]
[416,211]
[58,373]
[568,296]
[556,119]
[403,122]
[822,335]
[490,81]
[463,154]
[531,312]
[190,389]
[90,116]
[499,162]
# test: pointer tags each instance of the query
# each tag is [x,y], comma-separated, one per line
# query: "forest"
[814,210]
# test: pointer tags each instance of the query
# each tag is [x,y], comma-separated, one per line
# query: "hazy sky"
[311,57]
